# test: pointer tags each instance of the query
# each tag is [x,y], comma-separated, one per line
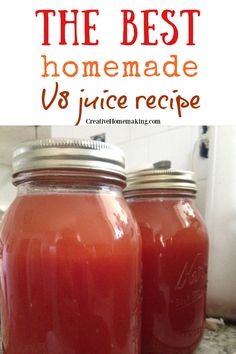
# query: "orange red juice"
[175,255]
[70,275]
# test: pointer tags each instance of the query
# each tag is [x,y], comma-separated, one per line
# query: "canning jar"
[70,253]
[175,258]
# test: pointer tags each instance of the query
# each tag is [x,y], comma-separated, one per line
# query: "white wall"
[221,222]
[146,145]
[10,136]
[143,145]
[7,190]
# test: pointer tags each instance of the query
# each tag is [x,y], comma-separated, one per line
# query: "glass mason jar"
[70,257]
[175,258]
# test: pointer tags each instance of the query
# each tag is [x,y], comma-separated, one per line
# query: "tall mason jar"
[175,258]
[70,253]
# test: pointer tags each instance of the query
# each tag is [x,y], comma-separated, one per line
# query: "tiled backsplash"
[142,146]
[10,136]
[146,145]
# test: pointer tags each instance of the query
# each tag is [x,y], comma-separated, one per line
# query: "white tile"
[86,132]
[117,134]
[10,136]
[174,145]
[8,193]
[137,131]
[201,166]
[44,131]
[62,132]
[82,131]
[136,153]
[113,134]
[201,197]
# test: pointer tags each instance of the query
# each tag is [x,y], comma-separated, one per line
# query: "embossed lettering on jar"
[175,258]
[70,266]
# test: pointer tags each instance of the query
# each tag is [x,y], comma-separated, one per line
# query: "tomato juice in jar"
[71,257]
[175,258]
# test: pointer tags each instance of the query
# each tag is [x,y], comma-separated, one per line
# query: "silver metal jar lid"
[159,178]
[63,153]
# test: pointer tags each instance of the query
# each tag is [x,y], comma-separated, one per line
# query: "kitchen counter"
[221,342]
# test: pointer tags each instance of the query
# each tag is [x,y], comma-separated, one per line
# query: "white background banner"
[188,80]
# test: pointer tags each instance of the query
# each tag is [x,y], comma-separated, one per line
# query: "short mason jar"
[70,253]
[175,259]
